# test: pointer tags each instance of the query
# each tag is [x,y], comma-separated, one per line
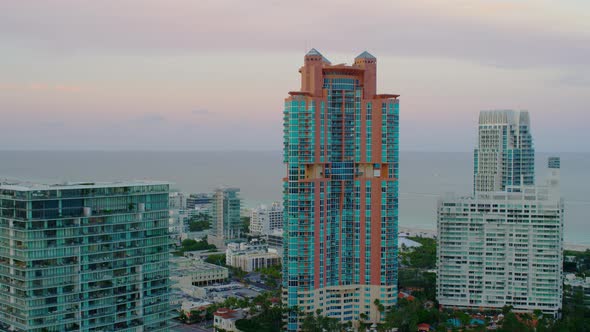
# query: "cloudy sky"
[213,74]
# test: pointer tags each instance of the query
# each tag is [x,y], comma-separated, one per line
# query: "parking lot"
[242,292]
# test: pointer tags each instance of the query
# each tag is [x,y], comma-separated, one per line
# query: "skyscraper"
[84,257]
[226,223]
[503,245]
[341,191]
[504,155]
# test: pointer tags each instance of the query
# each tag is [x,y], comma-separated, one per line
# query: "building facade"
[274,240]
[504,155]
[84,257]
[251,256]
[225,215]
[177,201]
[196,272]
[265,219]
[198,200]
[225,319]
[341,191]
[502,248]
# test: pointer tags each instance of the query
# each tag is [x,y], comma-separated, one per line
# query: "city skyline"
[98,99]
[110,75]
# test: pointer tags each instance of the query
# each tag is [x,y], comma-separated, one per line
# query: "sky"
[213,74]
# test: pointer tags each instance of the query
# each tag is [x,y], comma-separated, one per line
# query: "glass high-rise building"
[341,192]
[226,221]
[504,155]
[84,257]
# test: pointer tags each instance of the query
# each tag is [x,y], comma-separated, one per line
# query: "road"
[197,327]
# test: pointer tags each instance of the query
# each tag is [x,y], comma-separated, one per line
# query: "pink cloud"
[39,86]
[67,88]
[36,86]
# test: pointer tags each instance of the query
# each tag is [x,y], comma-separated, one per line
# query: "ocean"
[423,177]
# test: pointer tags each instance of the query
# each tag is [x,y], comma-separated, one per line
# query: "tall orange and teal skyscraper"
[341,143]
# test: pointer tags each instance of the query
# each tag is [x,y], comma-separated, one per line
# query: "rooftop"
[186,266]
[313,51]
[366,55]
[18,185]
[229,314]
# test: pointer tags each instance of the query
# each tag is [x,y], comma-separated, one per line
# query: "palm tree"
[380,308]
[363,316]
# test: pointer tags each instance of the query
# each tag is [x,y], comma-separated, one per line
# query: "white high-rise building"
[504,155]
[503,248]
[264,220]
[177,201]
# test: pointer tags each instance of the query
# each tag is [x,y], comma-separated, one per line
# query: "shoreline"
[431,233]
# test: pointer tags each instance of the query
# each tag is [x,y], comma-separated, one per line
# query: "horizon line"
[239,150]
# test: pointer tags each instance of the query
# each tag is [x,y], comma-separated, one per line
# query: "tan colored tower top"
[316,66]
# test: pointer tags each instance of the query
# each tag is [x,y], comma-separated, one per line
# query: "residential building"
[504,155]
[226,225]
[191,308]
[265,219]
[251,256]
[198,200]
[503,248]
[84,257]
[274,240]
[176,224]
[224,319]
[177,201]
[196,272]
[341,191]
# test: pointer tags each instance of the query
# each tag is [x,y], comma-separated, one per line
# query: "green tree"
[193,245]
[245,225]
[199,222]
[423,257]
[217,259]
[512,323]
[319,323]
[464,318]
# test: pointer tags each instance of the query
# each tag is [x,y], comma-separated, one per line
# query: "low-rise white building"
[191,306]
[196,272]
[224,319]
[251,256]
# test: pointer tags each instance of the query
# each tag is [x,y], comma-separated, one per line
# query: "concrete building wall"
[501,248]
